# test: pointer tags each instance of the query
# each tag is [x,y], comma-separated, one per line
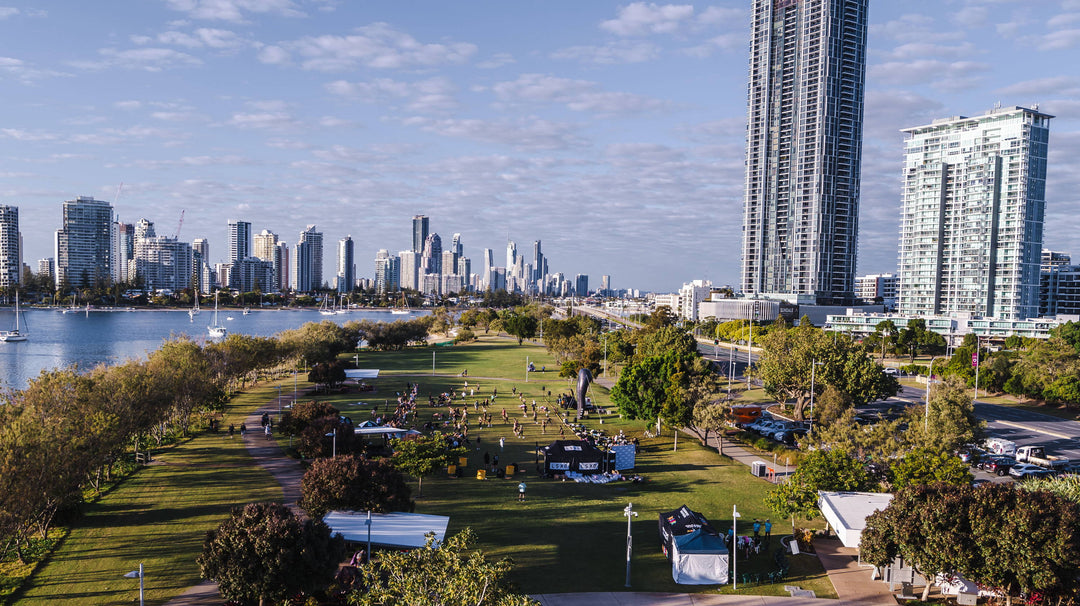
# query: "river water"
[88,339]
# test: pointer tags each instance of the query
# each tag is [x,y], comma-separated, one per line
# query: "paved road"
[1059,436]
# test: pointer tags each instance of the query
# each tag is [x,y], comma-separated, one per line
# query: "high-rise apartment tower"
[10,264]
[971,226]
[419,233]
[84,244]
[803,148]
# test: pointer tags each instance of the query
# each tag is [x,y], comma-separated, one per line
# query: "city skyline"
[614,132]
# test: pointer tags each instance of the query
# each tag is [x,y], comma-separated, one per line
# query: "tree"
[520,326]
[712,417]
[264,552]
[422,455]
[819,470]
[330,373]
[998,536]
[950,423]
[447,574]
[915,339]
[927,466]
[351,483]
[643,387]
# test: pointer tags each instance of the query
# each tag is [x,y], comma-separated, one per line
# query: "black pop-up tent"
[562,456]
[698,554]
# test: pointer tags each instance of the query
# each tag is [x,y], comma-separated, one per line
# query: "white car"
[1027,470]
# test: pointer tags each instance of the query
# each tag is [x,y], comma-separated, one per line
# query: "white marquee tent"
[403,530]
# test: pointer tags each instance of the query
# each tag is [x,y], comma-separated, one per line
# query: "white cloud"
[8,11]
[915,28]
[723,42]
[918,50]
[496,60]
[640,18]
[730,17]
[944,75]
[622,51]
[1059,40]
[201,38]
[19,134]
[233,10]
[433,95]
[526,133]
[577,95]
[266,115]
[1053,85]
[146,59]
[377,45]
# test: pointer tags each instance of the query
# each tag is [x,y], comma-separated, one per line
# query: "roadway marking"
[1025,427]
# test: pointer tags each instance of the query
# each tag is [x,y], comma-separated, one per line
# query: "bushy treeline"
[66,432]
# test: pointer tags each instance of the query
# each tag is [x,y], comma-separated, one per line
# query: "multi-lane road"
[1059,436]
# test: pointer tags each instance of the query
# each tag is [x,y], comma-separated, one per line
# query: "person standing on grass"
[757,526]
[232,430]
[521,491]
[768,528]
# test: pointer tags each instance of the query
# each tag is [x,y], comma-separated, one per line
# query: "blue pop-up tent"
[699,558]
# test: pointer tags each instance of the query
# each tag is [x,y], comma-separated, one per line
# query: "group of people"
[748,545]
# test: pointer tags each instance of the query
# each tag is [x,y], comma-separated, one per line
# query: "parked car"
[971,456]
[997,465]
[1025,471]
[791,436]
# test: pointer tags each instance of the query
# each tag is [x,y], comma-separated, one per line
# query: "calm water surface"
[88,339]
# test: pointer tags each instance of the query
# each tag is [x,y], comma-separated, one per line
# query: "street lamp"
[977,362]
[137,574]
[734,545]
[279,400]
[630,514]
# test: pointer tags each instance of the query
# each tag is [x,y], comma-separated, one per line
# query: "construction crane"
[181,224]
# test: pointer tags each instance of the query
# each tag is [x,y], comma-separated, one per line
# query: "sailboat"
[325,308]
[217,330]
[404,309]
[14,334]
[194,311]
[74,309]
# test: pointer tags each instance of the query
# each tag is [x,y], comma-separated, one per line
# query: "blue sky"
[611,131]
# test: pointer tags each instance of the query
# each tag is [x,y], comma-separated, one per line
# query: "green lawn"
[158,517]
[570,537]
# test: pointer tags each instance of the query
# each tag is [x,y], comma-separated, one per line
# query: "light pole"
[734,545]
[279,400]
[929,382]
[730,366]
[137,574]
[433,362]
[975,361]
[526,369]
[630,514]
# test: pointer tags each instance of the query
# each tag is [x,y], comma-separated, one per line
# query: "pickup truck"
[1037,455]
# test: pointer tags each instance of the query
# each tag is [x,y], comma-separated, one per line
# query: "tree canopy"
[819,470]
[422,455]
[351,483]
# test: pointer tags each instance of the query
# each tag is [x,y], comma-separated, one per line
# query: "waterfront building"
[346,268]
[266,246]
[84,245]
[308,261]
[201,247]
[387,271]
[162,263]
[804,148]
[419,233]
[281,267]
[408,269]
[971,227]
[251,274]
[10,255]
[46,267]
[239,240]
[431,260]
[858,324]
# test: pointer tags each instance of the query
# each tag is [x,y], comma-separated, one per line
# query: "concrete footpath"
[683,599]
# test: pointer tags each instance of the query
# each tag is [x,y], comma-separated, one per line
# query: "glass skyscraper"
[84,243]
[971,227]
[804,148]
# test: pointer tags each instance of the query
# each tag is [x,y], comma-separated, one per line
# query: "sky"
[611,131]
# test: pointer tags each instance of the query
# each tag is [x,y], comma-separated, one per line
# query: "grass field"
[569,537]
[565,537]
[158,517]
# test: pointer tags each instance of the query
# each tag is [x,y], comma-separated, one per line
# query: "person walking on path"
[268,431]
[232,430]
[243,430]
[521,491]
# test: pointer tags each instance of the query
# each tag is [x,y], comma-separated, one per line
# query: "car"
[971,456]
[791,436]
[997,465]
[1025,471]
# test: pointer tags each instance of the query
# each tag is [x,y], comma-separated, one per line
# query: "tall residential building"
[201,246]
[239,240]
[10,257]
[431,259]
[409,269]
[163,263]
[308,261]
[124,253]
[878,288]
[1059,291]
[346,265]
[387,271]
[282,277]
[419,233]
[46,267]
[539,265]
[489,263]
[511,257]
[804,148]
[84,244]
[581,285]
[265,246]
[971,226]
